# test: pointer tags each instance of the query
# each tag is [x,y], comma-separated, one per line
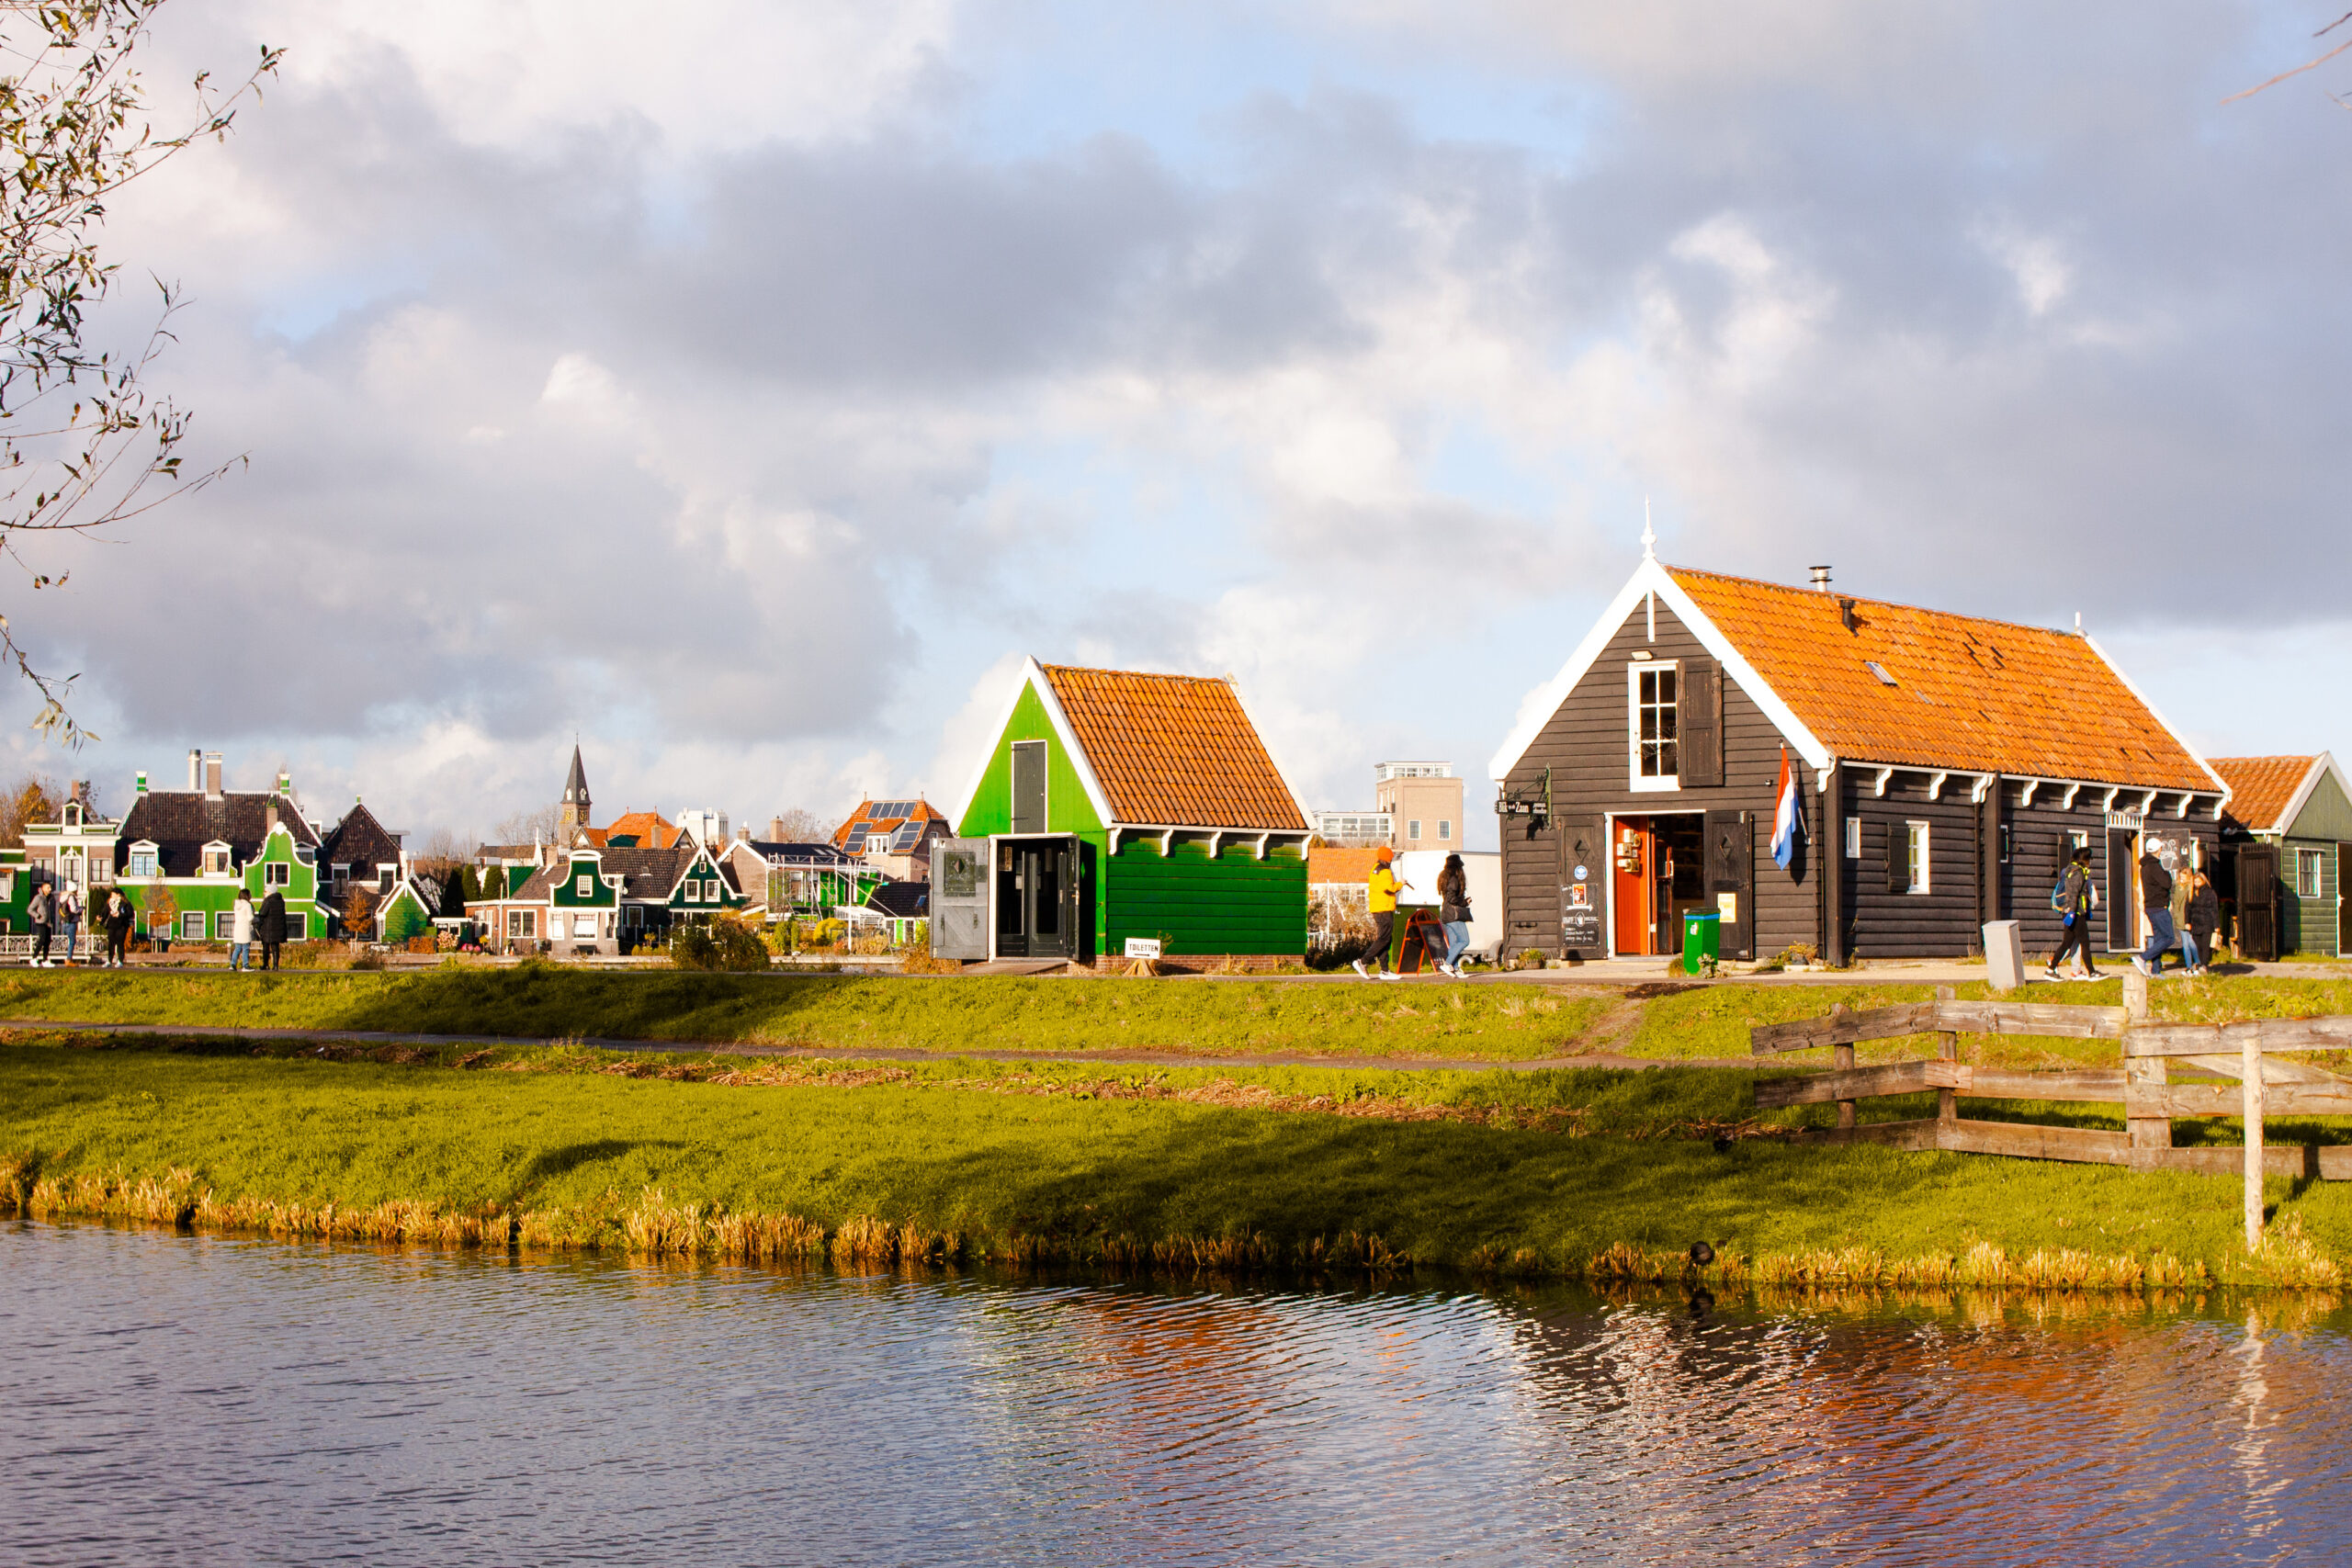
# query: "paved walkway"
[876,1053]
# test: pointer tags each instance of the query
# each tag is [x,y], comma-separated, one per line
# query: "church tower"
[571,811]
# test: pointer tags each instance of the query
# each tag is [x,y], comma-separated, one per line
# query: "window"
[101,871]
[586,887]
[522,925]
[384,874]
[1853,837]
[693,891]
[2006,843]
[224,925]
[296,927]
[1413,830]
[2307,873]
[342,873]
[583,926]
[192,926]
[1444,829]
[1915,849]
[1655,729]
[710,890]
[142,862]
[276,874]
[216,863]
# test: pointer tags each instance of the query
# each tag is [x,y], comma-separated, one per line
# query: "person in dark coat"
[273,928]
[2155,902]
[2078,897]
[1453,911]
[118,920]
[2204,920]
[41,911]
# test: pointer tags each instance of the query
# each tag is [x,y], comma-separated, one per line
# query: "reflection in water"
[167,1398]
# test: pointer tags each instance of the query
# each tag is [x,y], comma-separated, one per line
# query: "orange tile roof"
[1981,695]
[1175,749]
[2260,787]
[901,810]
[652,831]
[1335,862]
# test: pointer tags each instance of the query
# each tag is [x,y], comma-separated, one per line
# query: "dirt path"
[1603,1035]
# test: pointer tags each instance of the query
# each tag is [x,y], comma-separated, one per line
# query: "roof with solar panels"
[888,826]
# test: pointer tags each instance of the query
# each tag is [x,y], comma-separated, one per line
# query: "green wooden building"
[2299,809]
[201,844]
[1117,807]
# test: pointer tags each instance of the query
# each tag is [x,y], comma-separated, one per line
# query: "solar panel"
[905,838]
[856,840]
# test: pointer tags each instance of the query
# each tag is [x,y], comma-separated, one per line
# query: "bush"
[691,947]
[727,942]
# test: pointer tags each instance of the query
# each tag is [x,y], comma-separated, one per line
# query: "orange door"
[1632,850]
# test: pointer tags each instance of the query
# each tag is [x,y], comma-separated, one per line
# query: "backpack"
[2058,899]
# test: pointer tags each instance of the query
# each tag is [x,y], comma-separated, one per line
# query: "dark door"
[2258,902]
[2122,892]
[1584,877]
[2341,857]
[1028,786]
[1036,897]
[1731,873]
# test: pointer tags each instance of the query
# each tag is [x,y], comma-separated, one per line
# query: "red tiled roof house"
[1117,805]
[1945,765]
[2300,811]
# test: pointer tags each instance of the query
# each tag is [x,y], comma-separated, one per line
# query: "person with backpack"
[2075,896]
[1454,911]
[2156,903]
[69,919]
[120,917]
[40,912]
[1380,899]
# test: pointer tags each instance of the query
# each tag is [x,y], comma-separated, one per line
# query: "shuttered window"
[1655,725]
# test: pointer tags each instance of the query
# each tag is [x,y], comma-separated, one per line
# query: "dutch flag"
[1784,816]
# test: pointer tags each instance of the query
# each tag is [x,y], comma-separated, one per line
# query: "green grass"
[1561,1172]
[1494,1023]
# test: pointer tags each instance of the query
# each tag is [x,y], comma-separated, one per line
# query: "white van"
[1482,869]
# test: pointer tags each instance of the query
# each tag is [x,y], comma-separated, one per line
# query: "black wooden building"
[1945,765]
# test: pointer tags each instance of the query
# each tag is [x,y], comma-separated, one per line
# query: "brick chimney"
[212,775]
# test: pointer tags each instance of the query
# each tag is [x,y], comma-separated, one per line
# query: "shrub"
[727,942]
[691,947]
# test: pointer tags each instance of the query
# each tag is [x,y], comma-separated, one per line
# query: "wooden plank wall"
[1585,745]
[1939,924]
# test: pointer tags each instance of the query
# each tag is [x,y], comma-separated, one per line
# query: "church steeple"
[571,811]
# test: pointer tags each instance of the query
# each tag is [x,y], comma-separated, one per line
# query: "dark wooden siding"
[1585,745]
[1940,922]
[2039,840]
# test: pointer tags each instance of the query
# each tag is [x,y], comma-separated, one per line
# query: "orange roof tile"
[1334,862]
[652,830]
[887,818]
[1174,749]
[2261,787]
[1968,694]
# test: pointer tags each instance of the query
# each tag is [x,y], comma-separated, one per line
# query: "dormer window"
[1653,724]
[73,814]
[216,860]
[142,860]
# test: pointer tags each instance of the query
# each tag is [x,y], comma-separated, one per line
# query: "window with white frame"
[586,886]
[583,927]
[522,925]
[342,873]
[101,870]
[1853,837]
[215,861]
[1654,723]
[276,874]
[1444,829]
[296,926]
[142,862]
[2308,872]
[1915,847]
[693,890]
[1413,830]
[192,926]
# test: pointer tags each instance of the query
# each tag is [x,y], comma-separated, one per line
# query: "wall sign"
[1143,947]
[1579,920]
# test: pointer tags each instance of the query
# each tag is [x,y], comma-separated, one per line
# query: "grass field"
[1568,1172]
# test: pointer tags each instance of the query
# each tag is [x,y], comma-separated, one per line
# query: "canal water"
[197,1399]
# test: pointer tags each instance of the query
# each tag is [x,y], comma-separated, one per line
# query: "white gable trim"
[1647,578]
[2324,763]
[1033,679]
[1297,802]
[2178,739]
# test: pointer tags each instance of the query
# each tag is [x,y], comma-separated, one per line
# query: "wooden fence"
[2141,1085]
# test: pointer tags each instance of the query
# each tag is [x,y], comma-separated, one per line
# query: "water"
[191,1399]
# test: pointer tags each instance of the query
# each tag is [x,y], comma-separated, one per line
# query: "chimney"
[269,819]
[212,775]
[195,772]
[142,781]
[775,829]
[1846,613]
[1820,579]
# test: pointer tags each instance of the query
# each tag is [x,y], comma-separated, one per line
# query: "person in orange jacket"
[1380,895]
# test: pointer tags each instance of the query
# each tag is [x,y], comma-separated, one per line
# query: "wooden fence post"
[2144,1076]
[2250,1061]
[1947,1049]
[1843,1057]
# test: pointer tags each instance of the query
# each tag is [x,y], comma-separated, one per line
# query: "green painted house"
[2300,810]
[1117,807]
[201,844]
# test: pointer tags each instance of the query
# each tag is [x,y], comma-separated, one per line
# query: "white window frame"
[692,893]
[276,874]
[1635,780]
[1918,842]
[196,934]
[1445,830]
[583,925]
[1413,830]
[144,863]
[298,926]
[2314,859]
[584,887]
[1854,840]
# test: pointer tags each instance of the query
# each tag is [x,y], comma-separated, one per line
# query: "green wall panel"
[1234,903]
[1068,810]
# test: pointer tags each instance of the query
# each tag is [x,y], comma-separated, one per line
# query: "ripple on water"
[193,1399]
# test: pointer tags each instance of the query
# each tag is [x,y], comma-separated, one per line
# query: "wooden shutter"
[1701,721]
[1898,858]
[1730,868]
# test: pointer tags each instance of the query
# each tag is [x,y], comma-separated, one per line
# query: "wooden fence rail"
[2150,1100]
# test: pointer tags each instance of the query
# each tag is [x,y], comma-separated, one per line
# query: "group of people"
[54,911]
[2182,912]
[1453,914]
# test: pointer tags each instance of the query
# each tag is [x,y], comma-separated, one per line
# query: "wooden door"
[1028,786]
[1731,873]
[959,898]
[2341,859]
[2258,902]
[1583,881]
[2123,890]
[1632,910]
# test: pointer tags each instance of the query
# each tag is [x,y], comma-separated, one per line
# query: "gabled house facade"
[1944,767]
[1115,804]
[569,907]
[893,837]
[77,850]
[2299,809]
[201,844]
[784,879]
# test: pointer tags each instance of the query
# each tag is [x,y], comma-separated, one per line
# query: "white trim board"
[1649,577]
[1033,678]
[2178,739]
[2324,762]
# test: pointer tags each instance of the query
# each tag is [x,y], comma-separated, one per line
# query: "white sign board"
[1143,947]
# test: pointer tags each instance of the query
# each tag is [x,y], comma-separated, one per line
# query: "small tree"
[163,909]
[359,913]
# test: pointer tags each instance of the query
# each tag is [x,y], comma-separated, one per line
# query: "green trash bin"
[1702,940]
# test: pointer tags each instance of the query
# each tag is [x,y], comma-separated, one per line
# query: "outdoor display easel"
[2150,1102]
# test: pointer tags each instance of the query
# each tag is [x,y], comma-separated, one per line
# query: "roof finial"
[1650,534]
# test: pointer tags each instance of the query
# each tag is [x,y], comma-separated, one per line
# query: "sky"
[745,393]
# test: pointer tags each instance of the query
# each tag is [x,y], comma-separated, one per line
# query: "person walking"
[69,918]
[40,912]
[271,928]
[1454,911]
[240,931]
[2204,919]
[119,919]
[1380,898]
[2156,903]
[2077,896]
